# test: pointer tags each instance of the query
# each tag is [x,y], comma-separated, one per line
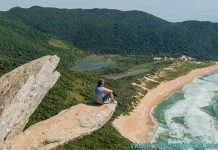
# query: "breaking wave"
[189,115]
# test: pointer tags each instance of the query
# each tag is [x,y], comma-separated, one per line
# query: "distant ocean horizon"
[189,115]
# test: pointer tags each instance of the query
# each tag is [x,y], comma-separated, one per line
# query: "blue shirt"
[99,93]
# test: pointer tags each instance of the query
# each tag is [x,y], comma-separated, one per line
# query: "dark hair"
[100,82]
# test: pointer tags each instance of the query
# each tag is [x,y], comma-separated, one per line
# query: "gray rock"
[21,91]
[68,125]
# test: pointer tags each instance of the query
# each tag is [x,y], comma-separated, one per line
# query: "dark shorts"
[106,97]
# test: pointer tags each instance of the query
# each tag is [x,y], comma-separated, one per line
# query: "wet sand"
[138,125]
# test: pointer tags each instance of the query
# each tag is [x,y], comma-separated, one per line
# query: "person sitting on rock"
[103,95]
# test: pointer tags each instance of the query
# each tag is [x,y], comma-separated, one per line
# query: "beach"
[138,125]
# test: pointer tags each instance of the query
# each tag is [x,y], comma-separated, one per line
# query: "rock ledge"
[68,125]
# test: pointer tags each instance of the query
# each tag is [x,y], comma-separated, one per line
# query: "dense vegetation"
[107,137]
[27,34]
[20,44]
[122,32]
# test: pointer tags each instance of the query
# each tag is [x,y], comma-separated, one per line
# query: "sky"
[170,10]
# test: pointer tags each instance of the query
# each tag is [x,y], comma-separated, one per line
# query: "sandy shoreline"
[138,125]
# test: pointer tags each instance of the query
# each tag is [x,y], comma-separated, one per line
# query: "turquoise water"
[189,115]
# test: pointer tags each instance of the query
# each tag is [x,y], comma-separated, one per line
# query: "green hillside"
[122,32]
[20,43]
[27,34]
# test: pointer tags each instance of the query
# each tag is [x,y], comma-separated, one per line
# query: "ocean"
[189,115]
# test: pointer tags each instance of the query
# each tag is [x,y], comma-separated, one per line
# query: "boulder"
[21,91]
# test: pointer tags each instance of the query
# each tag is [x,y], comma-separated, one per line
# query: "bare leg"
[111,96]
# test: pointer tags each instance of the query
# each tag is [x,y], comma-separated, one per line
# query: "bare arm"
[108,90]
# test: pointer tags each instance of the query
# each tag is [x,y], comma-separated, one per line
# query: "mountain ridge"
[140,11]
[122,32]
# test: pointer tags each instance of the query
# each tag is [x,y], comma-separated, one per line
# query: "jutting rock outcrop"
[21,91]
[68,125]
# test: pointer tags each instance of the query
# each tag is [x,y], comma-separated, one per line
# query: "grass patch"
[58,44]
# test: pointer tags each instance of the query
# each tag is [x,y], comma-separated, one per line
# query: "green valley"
[118,46]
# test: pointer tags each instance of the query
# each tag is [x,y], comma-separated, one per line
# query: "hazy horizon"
[170,10]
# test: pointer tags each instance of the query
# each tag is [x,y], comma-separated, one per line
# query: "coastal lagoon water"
[189,115]
[93,62]
[143,68]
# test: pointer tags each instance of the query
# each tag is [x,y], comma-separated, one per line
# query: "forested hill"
[122,32]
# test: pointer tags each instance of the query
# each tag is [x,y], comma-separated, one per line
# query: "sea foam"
[197,126]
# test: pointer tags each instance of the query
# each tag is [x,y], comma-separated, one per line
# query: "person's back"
[102,94]
[99,94]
